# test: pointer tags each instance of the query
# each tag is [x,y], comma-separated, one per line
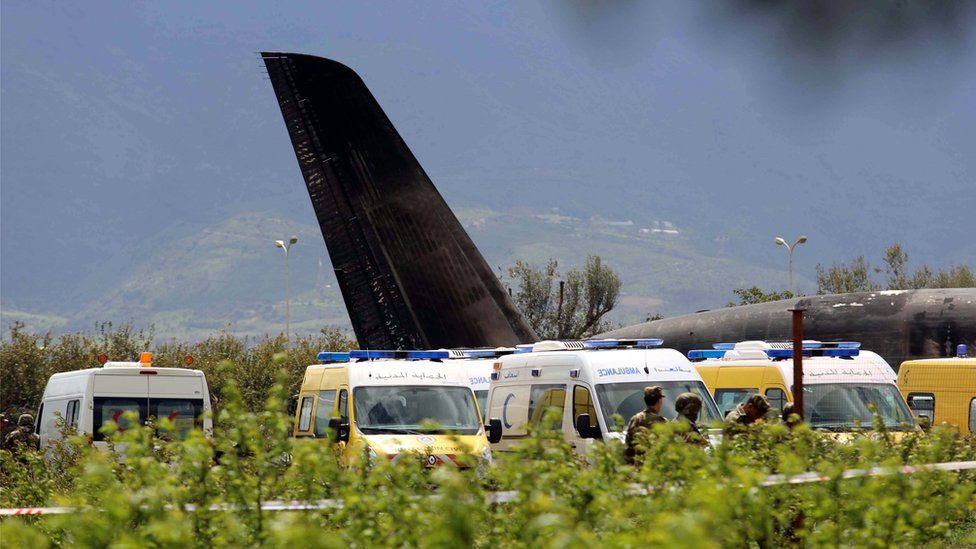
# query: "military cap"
[759,402]
[688,404]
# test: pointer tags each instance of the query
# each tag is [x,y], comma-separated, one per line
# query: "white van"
[88,399]
[842,383]
[591,384]
[477,365]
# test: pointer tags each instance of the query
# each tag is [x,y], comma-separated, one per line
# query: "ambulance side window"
[344,405]
[922,405]
[777,398]
[305,418]
[583,404]
[546,397]
[71,416]
[323,413]
[972,416]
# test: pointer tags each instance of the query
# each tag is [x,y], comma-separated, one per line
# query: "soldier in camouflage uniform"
[789,416]
[688,406]
[653,399]
[23,437]
[745,414]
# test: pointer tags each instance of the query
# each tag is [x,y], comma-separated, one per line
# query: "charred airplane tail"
[410,275]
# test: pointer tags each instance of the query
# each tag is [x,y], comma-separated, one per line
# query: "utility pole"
[798,362]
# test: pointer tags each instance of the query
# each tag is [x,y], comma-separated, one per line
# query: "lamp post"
[281,244]
[789,250]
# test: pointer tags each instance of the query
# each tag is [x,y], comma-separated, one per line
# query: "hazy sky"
[124,122]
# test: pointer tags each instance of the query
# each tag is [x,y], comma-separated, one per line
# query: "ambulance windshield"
[626,399]
[408,410]
[847,406]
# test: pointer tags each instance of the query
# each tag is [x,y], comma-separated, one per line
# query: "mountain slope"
[229,275]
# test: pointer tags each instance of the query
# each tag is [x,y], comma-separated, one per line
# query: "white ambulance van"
[88,399]
[841,382]
[477,364]
[591,385]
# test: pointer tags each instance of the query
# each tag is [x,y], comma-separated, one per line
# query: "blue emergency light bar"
[488,353]
[702,354]
[776,354]
[326,357]
[612,343]
[807,345]
[408,355]
[523,348]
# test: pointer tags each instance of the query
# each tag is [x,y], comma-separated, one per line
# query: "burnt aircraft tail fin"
[409,274]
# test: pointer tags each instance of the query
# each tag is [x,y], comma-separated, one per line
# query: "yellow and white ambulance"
[942,389]
[594,388]
[87,400]
[841,382]
[392,405]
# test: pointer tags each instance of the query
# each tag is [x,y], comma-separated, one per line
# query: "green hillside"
[229,276]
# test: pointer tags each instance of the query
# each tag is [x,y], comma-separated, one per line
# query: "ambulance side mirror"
[584,428]
[339,429]
[494,430]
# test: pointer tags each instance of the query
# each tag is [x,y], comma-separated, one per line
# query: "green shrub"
[158,491]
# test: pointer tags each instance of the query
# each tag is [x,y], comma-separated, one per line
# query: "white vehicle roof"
[598,366]
[865,367]
[75,381]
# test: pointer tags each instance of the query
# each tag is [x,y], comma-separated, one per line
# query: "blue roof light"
[523,348]
[702,354]
[326,357]
[611,343]
[831,352]
[488,353]
[724,346]
[408,355]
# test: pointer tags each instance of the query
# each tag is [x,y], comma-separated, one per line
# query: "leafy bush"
[161,491]
[27,360]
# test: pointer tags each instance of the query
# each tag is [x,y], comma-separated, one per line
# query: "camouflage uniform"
[23,436]
[688,406]
[640,421]
[737,420]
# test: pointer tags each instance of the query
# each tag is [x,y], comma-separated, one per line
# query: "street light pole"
[281,244]
[789,250]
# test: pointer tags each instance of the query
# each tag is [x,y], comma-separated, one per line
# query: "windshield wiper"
[838,427]
[394,431]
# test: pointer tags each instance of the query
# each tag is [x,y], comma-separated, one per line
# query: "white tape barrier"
[511,495]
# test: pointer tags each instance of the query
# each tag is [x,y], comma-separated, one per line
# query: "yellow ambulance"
[383,404]
[841,382]
[942,389]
